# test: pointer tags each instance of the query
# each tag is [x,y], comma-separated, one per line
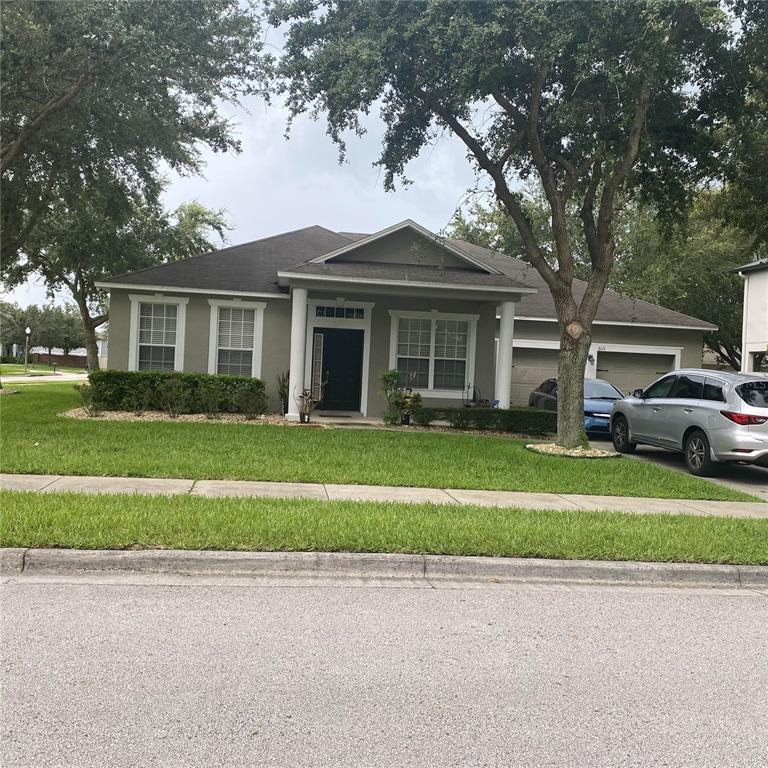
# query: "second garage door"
[629,371]
[529,368]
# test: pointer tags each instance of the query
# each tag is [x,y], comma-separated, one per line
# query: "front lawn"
[35,439]
[128,522]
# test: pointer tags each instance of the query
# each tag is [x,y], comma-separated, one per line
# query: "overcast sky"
[275,185]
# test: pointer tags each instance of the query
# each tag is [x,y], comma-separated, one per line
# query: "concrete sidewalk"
[44,378]
[327,491]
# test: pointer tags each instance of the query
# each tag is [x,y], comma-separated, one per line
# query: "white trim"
[181,325]
[406,283]
[434,315]
[258,332]
[622,323]
[341,322]
[407,224]
[177,289]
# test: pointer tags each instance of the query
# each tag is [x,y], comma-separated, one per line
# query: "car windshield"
[754,393]
[595,389]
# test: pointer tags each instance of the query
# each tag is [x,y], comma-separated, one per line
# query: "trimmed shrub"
[89,399]
[173,396]
[524,421]
[423,417]
[459,418]
[251,402]
[122,390]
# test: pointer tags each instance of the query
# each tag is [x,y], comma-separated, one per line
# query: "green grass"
[34,439]
[128,522]
[12,369]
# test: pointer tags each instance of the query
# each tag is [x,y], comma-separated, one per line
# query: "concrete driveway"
[741,477]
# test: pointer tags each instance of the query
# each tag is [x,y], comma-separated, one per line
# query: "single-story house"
[754,329]
[337,309]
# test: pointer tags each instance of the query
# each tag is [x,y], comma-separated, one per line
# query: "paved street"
[98,674]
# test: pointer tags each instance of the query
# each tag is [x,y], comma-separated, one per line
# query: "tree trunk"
[570,389]
[89,326]
[91,347]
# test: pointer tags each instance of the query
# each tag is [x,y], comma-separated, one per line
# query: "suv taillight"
[744,419]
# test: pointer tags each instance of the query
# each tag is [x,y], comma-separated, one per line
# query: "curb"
[379,567]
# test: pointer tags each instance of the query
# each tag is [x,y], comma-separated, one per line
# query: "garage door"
[629,371]
[529,368]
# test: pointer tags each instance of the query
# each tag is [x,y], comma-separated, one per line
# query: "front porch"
[443,342]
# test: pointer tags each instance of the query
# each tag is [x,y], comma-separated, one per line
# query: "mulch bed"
[222,418]
[552,449]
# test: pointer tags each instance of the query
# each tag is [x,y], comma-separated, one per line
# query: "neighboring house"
[754,329]
[338,309]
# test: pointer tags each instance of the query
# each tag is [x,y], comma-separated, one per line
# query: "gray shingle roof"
[252,268]
[614,307]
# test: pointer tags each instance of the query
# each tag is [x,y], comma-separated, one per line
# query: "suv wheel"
[620,435]
[698,457]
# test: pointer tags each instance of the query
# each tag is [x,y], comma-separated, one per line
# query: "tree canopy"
[93,89]
[103,233]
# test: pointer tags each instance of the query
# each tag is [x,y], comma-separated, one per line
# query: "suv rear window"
[754,393]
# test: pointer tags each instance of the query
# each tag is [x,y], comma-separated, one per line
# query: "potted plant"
[306,404]
[411,404]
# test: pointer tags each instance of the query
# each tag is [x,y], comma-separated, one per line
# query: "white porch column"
[298,349]
[503,390]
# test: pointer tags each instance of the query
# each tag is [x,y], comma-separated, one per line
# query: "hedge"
[524,421]
[184,392]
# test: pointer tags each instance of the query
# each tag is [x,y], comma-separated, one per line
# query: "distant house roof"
[753,266]
[252,268]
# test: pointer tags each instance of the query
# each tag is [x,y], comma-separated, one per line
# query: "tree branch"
[503,193]
[10,152]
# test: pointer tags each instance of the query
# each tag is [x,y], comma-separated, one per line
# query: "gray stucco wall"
[277,331]
[277,324]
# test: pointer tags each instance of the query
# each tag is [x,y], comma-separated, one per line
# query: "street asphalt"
[206,674]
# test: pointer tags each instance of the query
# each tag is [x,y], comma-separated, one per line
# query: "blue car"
[599,397]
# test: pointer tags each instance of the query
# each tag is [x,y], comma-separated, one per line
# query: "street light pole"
[27,331]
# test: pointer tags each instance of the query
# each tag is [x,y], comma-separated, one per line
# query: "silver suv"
[711,416]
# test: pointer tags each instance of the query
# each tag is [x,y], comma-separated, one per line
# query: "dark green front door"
[342,367]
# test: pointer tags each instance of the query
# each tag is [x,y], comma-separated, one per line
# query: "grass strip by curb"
[82,521]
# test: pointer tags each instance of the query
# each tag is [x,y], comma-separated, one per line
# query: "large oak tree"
[91,89]
[594,100]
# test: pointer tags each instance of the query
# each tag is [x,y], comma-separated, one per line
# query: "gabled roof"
[252,269]
[449,245]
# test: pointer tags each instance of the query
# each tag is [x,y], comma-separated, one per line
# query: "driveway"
[741,477]
[104,674]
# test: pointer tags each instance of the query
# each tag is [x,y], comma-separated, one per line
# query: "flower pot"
[303,418]
[405,419]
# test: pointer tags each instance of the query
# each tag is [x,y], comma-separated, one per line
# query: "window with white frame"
[414,344]
[433,352]
[157,337]
[234,341]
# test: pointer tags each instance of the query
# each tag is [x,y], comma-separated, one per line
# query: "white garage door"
[629,371]
[529,368]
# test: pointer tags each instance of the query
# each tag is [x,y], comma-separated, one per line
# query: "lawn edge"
[428,569]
